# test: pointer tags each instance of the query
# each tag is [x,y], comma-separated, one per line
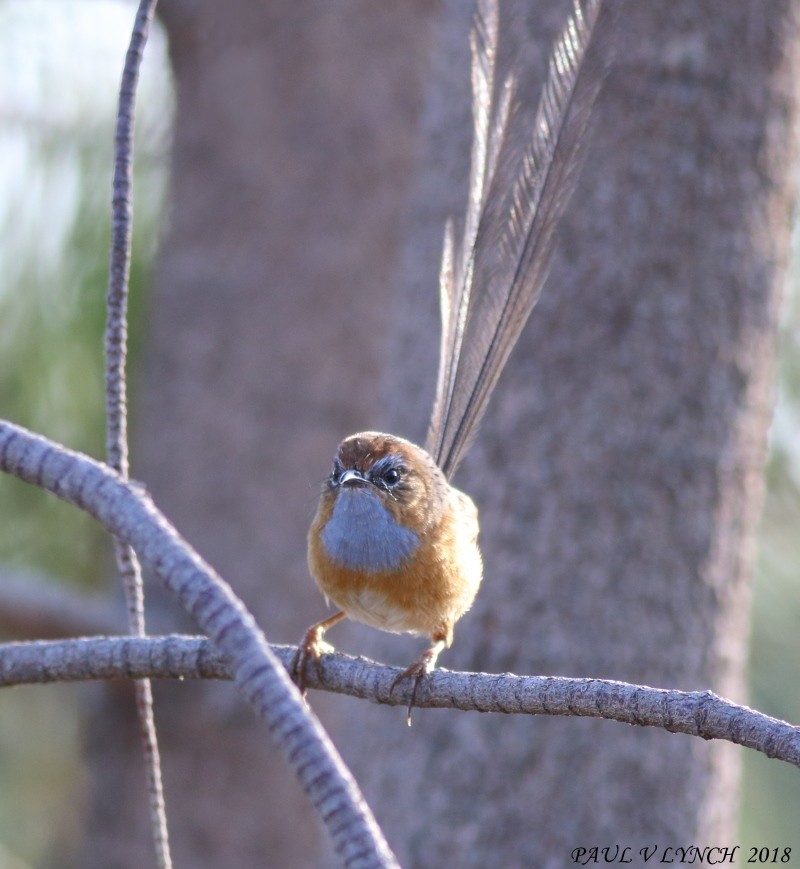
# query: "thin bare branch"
[126,511]
[41,662]
[695,713]
[116,348]
[116,337]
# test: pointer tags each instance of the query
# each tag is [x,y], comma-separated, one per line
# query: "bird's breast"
[363,535]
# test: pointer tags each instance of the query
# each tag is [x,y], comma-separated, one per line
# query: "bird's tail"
[521,178]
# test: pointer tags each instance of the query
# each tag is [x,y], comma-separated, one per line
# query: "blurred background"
[60,64]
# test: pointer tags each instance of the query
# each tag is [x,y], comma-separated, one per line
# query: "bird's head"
[394,474]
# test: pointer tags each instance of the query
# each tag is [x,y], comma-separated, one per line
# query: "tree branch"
[126,511]
[116,351]
[695,713]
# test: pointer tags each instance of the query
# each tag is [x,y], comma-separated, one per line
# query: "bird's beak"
[352,478]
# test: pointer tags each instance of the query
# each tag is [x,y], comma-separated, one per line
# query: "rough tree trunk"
[617,473]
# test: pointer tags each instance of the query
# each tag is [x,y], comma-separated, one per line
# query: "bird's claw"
[311,648]
[417,671]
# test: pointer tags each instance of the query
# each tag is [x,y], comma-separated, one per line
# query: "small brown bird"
[393,544]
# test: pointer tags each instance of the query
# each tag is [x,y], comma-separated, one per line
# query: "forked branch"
[126,511]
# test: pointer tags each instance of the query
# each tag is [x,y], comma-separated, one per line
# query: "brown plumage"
[393,544]
[436,583]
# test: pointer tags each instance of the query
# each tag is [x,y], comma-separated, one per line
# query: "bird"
[393,543]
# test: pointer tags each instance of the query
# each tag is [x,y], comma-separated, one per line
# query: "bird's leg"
[311,647]
[424,665]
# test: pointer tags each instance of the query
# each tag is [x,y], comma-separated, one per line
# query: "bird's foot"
[311,648]
[423,666]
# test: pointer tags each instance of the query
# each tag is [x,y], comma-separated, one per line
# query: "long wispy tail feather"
[520,183]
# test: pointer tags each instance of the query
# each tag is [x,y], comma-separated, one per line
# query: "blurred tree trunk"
[618,473]
[295,128]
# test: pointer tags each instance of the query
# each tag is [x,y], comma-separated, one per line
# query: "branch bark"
[695,713]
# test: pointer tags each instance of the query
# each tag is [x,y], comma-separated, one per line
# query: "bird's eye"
[336,473]
[391,476]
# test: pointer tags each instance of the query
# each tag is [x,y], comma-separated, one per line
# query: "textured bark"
[618,473]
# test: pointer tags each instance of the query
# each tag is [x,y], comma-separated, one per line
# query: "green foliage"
[60,66]
[53,269]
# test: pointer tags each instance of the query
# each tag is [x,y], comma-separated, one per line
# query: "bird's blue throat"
[362,534]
